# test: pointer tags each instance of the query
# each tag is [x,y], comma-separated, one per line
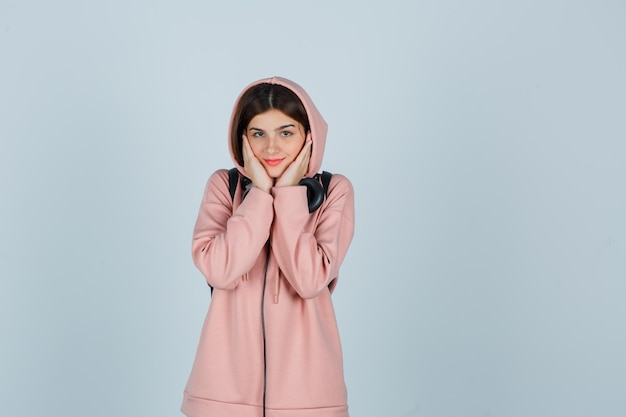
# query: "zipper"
[267,261]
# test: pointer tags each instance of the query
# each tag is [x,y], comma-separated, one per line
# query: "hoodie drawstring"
[276,289]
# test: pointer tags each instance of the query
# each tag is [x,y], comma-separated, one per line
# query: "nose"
[272,145]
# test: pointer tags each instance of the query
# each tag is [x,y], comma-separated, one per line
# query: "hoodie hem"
[201,407]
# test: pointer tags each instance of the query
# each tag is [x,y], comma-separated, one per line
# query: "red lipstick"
[273,162]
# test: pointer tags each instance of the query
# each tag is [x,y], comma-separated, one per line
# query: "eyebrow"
[275,130]
[284,127]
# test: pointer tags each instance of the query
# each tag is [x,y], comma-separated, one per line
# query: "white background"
[485,141]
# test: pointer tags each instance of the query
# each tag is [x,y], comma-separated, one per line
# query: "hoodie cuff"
[258,195]
[292,198]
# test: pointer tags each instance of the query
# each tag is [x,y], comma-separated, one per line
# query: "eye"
[286,133]
[257,134]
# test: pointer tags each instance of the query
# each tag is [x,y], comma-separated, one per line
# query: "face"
[276,140]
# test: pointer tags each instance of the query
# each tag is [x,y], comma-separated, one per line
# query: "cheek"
[256,148]
[295,149]
[299,144]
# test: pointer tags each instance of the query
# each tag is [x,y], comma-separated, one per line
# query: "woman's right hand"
[255,170]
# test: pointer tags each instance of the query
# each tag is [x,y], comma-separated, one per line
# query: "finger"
[305,154]
[247,150]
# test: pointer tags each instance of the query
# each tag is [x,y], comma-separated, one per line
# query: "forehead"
[271,119]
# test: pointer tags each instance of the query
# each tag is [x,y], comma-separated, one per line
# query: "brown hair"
[259,99]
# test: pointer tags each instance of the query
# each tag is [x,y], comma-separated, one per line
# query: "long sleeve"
[226,244]
[310,252]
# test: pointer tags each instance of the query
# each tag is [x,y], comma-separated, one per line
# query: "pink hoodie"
[270,335]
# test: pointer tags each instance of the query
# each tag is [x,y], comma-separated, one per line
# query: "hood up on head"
[318,125]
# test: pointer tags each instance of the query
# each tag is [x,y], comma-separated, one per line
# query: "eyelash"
[284,133]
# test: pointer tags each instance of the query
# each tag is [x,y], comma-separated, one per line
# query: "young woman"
[269,345]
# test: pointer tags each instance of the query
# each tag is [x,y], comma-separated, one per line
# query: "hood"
[316,121]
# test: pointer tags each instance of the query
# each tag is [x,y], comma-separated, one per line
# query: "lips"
[273,162]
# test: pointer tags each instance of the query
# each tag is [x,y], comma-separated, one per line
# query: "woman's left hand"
[298,168]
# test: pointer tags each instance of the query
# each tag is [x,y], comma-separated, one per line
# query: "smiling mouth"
[273,162]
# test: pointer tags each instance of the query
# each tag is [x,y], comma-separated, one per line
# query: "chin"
[274,173]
